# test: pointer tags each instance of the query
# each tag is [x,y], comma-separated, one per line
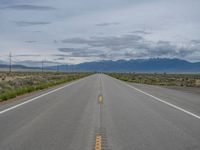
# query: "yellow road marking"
[98,144]
[100,99]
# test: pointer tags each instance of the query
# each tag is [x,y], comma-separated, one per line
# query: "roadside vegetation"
[19,83]
[185,80]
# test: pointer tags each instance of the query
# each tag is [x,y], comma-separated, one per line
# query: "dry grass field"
[18,83]
[183,80]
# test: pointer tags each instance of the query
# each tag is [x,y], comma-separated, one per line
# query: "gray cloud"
[26,55]
[160,49]
[107,24]
[131,46]
[60,55]
[3,62]
[30,41]
[70,49]
[30,23]
[34,63]
[30,7]
[81,52]
[140,32]
[195,41]
[84,54]
[37,31]
[61,58]
[109,42]
[55,41]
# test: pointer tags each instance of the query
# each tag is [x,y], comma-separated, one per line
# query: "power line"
[42,66]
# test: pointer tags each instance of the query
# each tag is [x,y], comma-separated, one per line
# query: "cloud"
[30,41]
[107,24]
[59,55]
[131,46]
[61,58]
[3,62]
[55,41]
[195,41]
[30,7]
[37,31]
[30,23]
[81,52]
[83,29]
[34,63]
[70,49]
[160,49]
[84,54]
[140,32]
[108,42]
[26,55]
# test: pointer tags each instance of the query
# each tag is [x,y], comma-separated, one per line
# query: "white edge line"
[160,100]
[35,98]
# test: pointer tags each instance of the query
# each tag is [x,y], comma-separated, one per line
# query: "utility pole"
[10,65]
[42,66]
[66,67]
[57,67]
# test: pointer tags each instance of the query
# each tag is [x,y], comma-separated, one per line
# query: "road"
[100,112]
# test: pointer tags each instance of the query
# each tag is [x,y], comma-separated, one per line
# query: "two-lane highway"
[99,112]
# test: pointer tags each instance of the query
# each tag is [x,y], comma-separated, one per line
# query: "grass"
[19,83]
[186,80]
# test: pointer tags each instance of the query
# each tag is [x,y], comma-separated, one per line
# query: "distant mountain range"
[4,66]
[138,65]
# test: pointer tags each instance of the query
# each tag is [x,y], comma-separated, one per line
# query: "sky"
[77,31]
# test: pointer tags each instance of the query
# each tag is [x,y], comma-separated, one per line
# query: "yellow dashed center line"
[98,144]
[100,99]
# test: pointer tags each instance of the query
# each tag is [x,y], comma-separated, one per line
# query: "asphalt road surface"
[100,112]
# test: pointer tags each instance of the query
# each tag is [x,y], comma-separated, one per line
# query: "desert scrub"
[187,80]
[22,83]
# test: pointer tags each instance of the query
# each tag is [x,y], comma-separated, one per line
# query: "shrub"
[33,82]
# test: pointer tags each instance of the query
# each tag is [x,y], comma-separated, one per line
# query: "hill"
[137,65]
